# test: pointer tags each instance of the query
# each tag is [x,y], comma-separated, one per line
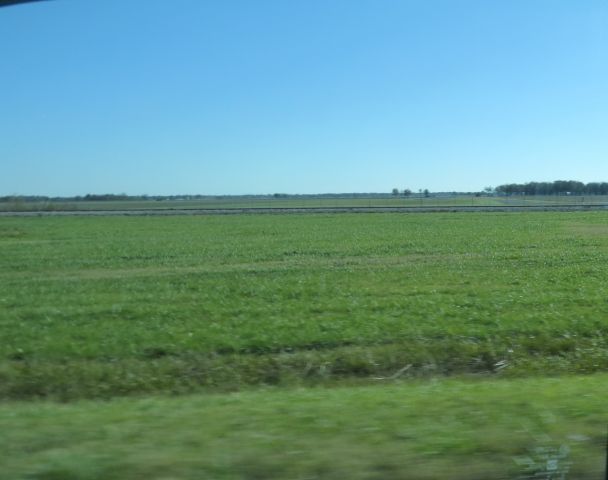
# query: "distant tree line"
[558,187]
[105,197]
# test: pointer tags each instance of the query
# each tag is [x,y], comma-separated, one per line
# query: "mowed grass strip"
[98,307]
[243,202]
[454,429]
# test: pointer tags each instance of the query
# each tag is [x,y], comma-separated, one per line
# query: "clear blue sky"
[264,96]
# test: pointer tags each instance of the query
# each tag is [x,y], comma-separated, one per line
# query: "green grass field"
[300,313]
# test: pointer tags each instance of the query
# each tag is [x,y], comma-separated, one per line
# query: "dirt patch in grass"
[589,229]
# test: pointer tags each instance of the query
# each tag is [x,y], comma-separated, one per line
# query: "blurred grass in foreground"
[454,429]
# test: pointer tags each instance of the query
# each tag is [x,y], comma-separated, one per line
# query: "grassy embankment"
[301,202]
